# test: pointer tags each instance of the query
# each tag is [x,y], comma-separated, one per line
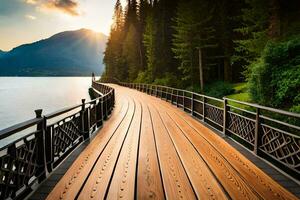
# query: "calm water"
[19,97]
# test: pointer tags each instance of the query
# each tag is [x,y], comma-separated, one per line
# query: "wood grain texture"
[149,149]
[149,184]
[175,180]
[261,183]
[204,182]
[98,181]
[123,182]
[69,186]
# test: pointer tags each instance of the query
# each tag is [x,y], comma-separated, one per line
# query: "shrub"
[168,80]
[142,78]
[219,89]
[275,78]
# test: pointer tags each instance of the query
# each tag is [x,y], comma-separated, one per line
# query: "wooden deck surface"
[149,149]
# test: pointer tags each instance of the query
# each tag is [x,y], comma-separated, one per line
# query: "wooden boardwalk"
[149,149]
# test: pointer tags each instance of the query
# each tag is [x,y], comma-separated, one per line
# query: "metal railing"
[269,133]
[32,149]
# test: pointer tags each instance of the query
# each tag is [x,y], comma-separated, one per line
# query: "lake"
[20,96]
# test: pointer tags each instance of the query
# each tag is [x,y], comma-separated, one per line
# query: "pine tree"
[193,31]
[113,54]
[253,30]
[131,45]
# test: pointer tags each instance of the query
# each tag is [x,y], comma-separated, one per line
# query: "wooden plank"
[236,187]
[149,183]
[69,186]
[266,187]
[98,181]
[158,151]
[230,180]
[203,181]
[175,180]
[261,182]
[123,181]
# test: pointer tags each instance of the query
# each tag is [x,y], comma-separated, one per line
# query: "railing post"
[85,121]
[257,125]
[203,108]
[177,97]
[225,117]
[183,100]
[192,105]
[98,114]
[167,92]
[172,96]
[40,139]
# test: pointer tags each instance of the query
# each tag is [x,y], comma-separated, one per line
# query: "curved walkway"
[149,149]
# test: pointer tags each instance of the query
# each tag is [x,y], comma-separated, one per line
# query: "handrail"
[18,127]
[48,142]
[283,112]
[277,140]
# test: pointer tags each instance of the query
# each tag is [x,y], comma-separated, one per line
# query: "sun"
[101,27]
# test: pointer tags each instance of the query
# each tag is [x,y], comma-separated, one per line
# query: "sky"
[26,21]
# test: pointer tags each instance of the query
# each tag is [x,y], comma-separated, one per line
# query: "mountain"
[2,53]
[70,53]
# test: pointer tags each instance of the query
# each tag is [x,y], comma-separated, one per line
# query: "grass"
[241,94]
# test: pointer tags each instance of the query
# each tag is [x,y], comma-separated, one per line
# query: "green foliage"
[151,46]
[253,30]
[143,77]
[192,31]
[219,89]
[245,97]
[275,78]
[295,109]
[168,80]
[158,42]
[131,54]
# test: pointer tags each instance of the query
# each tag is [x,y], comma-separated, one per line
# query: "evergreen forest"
[244,49]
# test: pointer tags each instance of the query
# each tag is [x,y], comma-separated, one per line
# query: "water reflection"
[20,96]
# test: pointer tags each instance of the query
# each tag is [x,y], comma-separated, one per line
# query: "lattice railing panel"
[214,114]
[242,126]
[65,135]
[18,167]
[283,146]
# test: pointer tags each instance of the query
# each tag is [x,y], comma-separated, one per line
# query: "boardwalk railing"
[31,150]
[269,133]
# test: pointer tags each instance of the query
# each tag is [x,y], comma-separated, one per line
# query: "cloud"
[31,2]
[69,7]
[31,17]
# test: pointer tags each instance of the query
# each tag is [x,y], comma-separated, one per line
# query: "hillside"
[2,53]
[70,53]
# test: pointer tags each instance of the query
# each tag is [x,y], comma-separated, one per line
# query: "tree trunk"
[274,29]
[227,70]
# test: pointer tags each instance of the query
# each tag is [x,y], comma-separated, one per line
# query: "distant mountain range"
[70,53]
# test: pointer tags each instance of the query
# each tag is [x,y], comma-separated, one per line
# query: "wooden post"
[85,120]
[225,117]
[257,125]
[177,98]
[183,100]
[98,114]
[201,70]
[40,139]
[192,105]
[172,96]
[203,108]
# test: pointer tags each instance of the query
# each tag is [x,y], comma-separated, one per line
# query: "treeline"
[165,41]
